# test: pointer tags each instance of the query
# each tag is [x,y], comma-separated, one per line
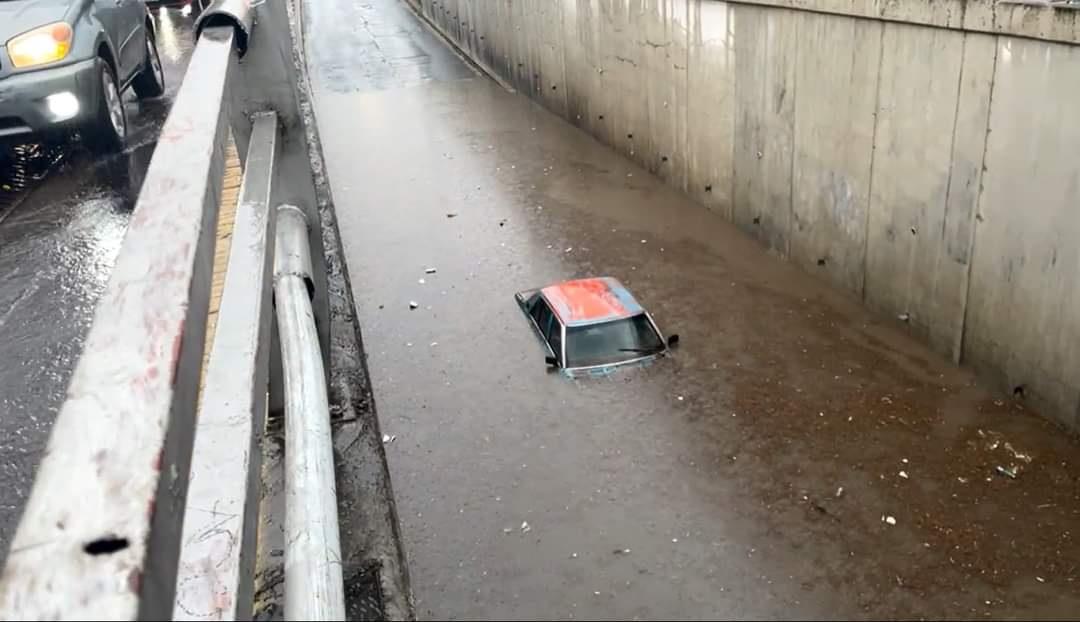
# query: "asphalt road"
[798,457]
[63,215]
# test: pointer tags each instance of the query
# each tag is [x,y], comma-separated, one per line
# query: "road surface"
[799,457]
[63,215]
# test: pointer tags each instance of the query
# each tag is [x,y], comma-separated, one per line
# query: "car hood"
[18,16]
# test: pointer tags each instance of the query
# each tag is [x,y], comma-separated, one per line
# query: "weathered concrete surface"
[748,476]
[849,136]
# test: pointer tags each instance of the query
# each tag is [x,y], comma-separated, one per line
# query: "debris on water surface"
[888,519]
[904,460]
[507,530]
[644,241]
[434,343]
[451,214]
[680,398]
[839,492]
[430,271]
[502,222]
[525,527]
[903,317]
[1009,472]
[388,438]
[674,540]
[886,400]
[421,281]
[621,552]
[573,556]
[1040,579]
[413,304]
[568,249]
[903,474]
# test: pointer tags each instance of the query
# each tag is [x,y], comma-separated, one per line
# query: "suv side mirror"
[672,341]
[551,361]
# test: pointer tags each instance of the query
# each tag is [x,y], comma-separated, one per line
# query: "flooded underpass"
[63,215]
[797,457]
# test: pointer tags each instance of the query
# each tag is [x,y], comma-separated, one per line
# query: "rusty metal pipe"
[314,588]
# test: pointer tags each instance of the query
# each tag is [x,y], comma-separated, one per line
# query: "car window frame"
[544,331]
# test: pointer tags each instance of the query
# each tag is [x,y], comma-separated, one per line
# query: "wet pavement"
[798,457]
[63,214]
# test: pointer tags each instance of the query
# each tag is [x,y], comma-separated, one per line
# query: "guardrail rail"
[146,501]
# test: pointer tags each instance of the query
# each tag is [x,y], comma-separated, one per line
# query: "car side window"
[555,337]
[545,319]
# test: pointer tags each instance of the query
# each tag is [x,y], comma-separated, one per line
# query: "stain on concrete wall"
[908,270]
[1023,309]
[915,154]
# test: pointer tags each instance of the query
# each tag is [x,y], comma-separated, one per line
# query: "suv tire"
[150,82]
[107,131]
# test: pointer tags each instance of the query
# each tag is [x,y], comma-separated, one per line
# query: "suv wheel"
[107,130]
[151,80]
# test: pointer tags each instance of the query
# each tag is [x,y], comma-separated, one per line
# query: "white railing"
[146,502]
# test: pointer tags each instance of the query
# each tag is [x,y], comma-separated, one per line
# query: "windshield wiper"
[642,350]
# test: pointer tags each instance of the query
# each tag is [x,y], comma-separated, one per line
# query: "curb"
[374,564]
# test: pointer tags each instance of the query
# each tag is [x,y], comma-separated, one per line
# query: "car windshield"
[611,342]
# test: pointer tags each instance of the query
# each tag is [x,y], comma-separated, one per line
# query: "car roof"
[589,301]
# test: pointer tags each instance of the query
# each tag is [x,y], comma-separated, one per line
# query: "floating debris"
[430,271]
[573,556]
[621,552]
[1040,579]
[888,519]
[903,317]
[839,492]
[389,438]
[413,304]
[451,214]
[421,281]
[903,474]
[674,540]
[1009,472]
[525,527]
[680,398]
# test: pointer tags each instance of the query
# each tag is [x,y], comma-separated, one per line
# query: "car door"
[132,48]
[108,13]
[124,25]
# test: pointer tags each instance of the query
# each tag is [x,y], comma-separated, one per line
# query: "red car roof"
[586,301]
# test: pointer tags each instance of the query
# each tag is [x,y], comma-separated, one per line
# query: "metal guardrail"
[313,584]
[145,505]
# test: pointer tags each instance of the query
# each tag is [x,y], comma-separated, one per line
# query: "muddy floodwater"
[797,457]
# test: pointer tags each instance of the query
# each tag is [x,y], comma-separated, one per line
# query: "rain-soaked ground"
[62,217]
[797,457]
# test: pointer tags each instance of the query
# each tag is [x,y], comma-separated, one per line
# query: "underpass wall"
[920,154]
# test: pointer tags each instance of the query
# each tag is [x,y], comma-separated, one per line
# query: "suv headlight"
[47,44]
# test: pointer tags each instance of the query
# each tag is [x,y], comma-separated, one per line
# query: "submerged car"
[64,65]
[593,325]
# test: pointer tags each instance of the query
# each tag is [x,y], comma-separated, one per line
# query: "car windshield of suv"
[611,342]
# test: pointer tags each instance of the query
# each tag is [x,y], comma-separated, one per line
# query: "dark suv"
[64,65]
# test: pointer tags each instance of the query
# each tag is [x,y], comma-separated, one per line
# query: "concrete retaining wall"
[919,153]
